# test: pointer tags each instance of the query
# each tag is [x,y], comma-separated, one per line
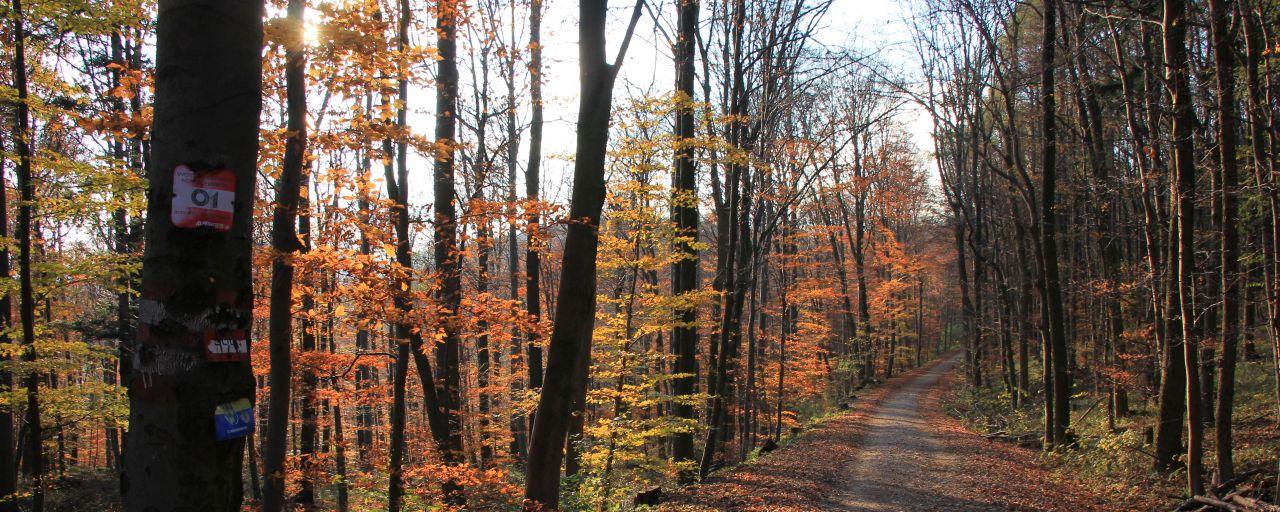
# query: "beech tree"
[569,351]
[195,280]
[285,240]
[684,212]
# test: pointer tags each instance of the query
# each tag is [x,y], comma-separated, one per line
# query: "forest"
[685,255]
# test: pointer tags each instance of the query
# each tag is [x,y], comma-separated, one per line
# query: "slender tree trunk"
[920,321]
[517,423]
[1259,118]
[1174,22]
[308,431]
[448,349]
[364,373]
[120,228]
[8,473]
[284,237]
[1024,308]
[406,341]
[208,60]
[1220,12]
[340,458]
[23,137]
[485,241]
[533,264]
[722,354]
[22,148]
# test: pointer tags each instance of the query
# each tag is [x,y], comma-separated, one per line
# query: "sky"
[865,25]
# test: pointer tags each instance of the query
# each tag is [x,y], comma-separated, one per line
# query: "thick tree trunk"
[208,60]
[576,301]
[684,213]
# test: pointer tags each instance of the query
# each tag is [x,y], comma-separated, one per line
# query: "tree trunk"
[308,431]
[517,423]
[22,141]
[1260,117]
[448,349]
[24,135]
[576,301]
[208,60]
[1049,227]
[8,473]
[533,264]
[1220,12]
[684,213]
[1174,23]
[284,238]
[122,246]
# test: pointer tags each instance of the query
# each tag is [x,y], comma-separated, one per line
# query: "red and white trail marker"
[226,345]
[203,198]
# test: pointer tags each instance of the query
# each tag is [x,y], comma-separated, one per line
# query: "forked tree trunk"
[576,301]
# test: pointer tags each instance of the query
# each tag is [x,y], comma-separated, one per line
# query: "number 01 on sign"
[203,198]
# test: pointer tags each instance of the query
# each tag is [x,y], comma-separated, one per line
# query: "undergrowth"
[1118,462]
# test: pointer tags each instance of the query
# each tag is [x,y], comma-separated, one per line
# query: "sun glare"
[311,34]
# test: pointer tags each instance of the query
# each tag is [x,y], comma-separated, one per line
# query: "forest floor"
[894,450]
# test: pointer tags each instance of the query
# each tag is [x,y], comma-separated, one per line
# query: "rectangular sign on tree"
[203,198]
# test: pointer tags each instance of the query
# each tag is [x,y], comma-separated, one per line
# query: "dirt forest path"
[894,451]
[903,464]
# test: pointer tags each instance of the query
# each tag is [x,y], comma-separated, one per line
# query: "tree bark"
[684,214]
[1174,23]
[8,473]
[1049,227]
[448,349]
[576,300]
[533,264]
[207,105]
[1220,13]
[284,240]
[23,140]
